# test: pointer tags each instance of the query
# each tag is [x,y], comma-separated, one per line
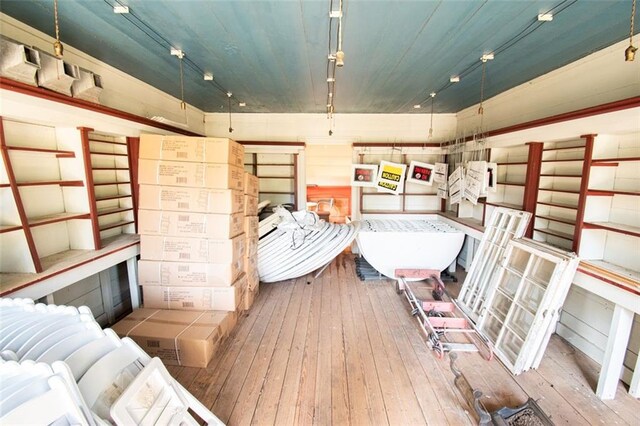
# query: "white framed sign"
[421,173]
[364,174]
[391,177]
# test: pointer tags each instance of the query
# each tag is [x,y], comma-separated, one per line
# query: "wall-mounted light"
[630,52]
[58,48]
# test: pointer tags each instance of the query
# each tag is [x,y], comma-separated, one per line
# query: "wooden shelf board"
[108,153]
[116,225]
[53,182]
[57,217]
[9,228]
[612,271]
[105,212]
[64,261]
[109,142]
[113,197]
[511,183]
[109,168]
[561,205]
[566,191]
[614,227]
[605,164]
[564,160]
[610,193]
[564,148]
[598,161]
[507,205]
[58,153]
[567,176]
[111,183]
[5,185]
[555,233]
[557,219]
[516,163]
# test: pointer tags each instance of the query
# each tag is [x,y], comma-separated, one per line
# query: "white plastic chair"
[67,346]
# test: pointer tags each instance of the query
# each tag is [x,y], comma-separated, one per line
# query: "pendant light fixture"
[180,55]
[58,48]
[433,95]
[229,94]
[630,52]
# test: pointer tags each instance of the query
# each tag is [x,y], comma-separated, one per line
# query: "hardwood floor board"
[399,398]
[572,373]
[359,413]
[307,389]
[229,377]
[266,406]
[431,385]
[230,348]
[376,408]
[187,375]
[339,383]
[322,409]
[244,407]
[286,403]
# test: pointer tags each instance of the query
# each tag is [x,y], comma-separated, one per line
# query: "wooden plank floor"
[339,351]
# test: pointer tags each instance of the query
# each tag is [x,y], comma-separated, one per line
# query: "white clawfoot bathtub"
[389,244]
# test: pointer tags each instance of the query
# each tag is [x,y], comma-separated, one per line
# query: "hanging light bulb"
[484,65]
[630,52]
[433,95]
[229,94]
[183,105]
[58,48]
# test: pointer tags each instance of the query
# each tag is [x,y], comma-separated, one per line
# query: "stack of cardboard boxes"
[191,221]
[251,235]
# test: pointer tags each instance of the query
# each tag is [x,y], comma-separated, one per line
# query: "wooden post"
[532,183]
[584,188]
[619,332]
[133,151]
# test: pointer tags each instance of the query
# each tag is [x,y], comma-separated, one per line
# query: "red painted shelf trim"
[109,142]
[567,176]
[63,218]
[517,163]
[563,148]
[610,193]
[10,228]
[561,205]
[111,183]
[106,212]
[38,92]
[566,191]
[605,164]
[113,197]
[108,153]
[557,219]
[116,225]
[555,233]
[53,182]
[617,159]
[575,160]
[110,168]
[589,225]
[511,183]
[57,152]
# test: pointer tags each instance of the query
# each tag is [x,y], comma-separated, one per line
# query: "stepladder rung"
[448,323]
[460,347]
[437,306]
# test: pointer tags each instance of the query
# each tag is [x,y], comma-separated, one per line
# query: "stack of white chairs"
[102,379]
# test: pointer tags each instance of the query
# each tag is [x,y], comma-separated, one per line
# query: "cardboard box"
[251,185]
[251,246]
[188,224]
[177,337]
[196,298]
[250,263]
[192,149]
[201,200]
[250,205]
[185,249]
[251,226]
[253,279]
[197,175]
[175,274]
[249,298]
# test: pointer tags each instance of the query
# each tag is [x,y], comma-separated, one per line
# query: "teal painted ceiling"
[272,54]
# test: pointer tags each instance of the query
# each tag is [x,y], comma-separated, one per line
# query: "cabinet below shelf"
[614,227]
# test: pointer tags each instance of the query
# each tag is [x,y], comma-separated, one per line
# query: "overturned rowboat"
[301,244]
[389,244]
